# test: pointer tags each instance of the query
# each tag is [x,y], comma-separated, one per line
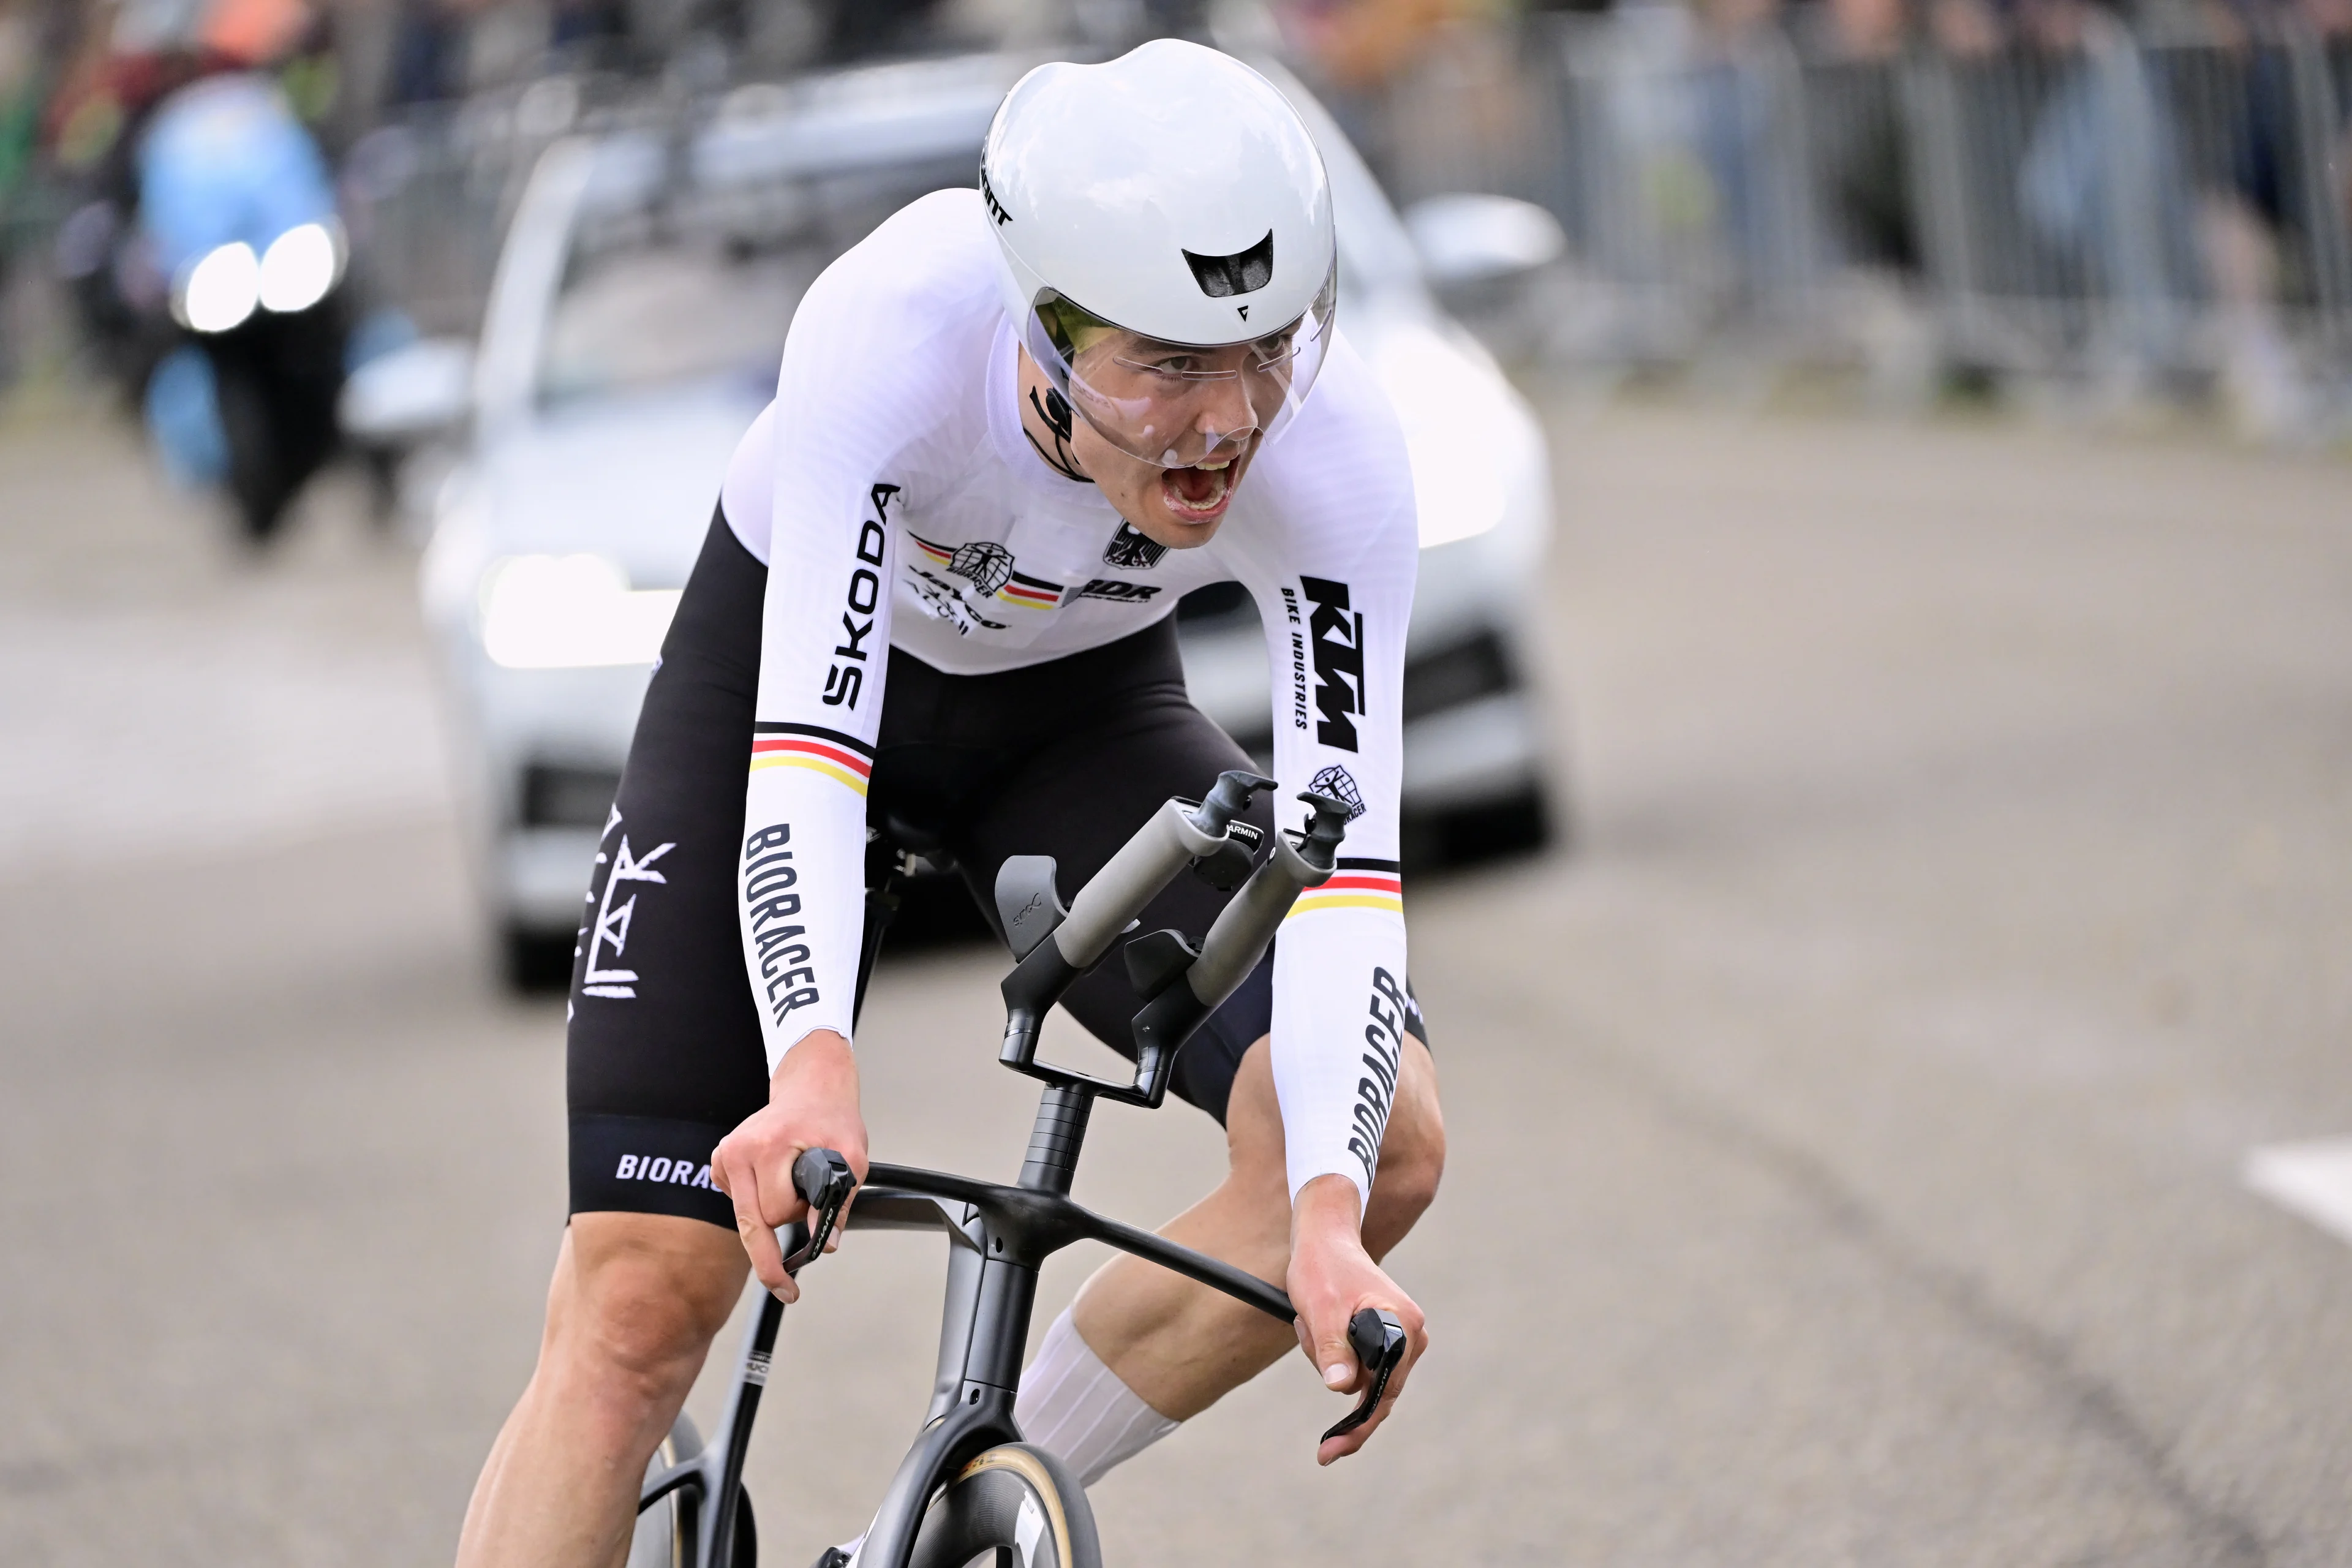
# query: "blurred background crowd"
[2124,206]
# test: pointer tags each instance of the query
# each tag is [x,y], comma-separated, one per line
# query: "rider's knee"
[1413,1161]
[643,1302]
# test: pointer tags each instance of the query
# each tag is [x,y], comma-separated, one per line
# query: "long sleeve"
[825,646]
[857,390]
[1334,611]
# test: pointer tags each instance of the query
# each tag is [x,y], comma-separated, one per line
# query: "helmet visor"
[1176,406]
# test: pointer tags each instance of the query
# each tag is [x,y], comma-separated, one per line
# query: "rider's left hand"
[1331,1279]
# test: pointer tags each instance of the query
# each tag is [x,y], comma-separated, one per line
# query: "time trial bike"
[969,1489]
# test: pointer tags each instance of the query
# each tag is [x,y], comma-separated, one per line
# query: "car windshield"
[686,268]
[681,308]
[699,283]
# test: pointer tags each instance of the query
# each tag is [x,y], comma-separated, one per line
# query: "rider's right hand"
[812,1104]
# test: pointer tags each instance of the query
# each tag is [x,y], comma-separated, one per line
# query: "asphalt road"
[1847,1134]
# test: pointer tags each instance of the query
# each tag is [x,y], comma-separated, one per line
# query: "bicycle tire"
[665,1535]
[664,1532]
[1014,1507]
[256,480]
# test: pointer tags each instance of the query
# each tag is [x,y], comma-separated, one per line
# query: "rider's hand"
[1331,1279]
[812,1104]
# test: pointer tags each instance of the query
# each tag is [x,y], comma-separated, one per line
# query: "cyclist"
[1013,427]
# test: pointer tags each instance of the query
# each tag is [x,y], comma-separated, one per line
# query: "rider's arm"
[1335,607]
[842,413]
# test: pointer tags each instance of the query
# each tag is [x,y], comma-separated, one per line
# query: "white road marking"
[2313,1180]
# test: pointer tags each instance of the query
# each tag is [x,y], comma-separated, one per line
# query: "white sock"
[1076,1409]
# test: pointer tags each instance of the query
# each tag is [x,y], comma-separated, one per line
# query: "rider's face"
[1177,507]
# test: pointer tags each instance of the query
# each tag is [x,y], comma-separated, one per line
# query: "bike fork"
[712,1480]
[735,1429]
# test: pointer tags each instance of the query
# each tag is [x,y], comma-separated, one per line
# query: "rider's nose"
[1225,409]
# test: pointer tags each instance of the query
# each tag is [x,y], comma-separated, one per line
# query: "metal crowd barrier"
[2124,210]
[2143,213]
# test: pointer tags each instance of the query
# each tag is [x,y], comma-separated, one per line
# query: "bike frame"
[999,1237]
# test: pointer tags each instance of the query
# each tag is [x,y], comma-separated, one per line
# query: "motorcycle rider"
[208,268]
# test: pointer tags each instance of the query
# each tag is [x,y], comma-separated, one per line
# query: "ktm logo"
[1338,642]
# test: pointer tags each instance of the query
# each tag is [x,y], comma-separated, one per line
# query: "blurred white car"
[634,328]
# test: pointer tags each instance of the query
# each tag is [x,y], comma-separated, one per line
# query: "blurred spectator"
[24,71]
[1746,86]
[1861,137]
[428,53]
[593,34]
[1361,46]
[865,29]
[1964,29]
[2100,185]
[2272,226]
[1431,91]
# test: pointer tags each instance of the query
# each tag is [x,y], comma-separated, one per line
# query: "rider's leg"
[1180,1346]
[635,1300]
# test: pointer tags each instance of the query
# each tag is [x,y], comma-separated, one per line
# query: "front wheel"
[1014,1507]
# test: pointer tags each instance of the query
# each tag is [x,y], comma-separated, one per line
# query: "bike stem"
[1057,1136]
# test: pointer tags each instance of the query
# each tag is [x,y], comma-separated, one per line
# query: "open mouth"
[1197,494]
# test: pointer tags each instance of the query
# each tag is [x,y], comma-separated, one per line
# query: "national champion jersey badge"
[1131,552]
[987,566]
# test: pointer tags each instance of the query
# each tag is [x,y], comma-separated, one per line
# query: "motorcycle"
[237,208]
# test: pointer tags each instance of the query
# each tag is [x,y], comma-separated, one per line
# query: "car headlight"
[1458,490]
[559,612]
[1453,420]
[299,267]
[220,291]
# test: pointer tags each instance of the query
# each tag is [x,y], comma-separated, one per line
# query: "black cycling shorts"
[1065,758]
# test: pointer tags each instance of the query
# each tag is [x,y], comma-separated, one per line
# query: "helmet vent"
[1243,272]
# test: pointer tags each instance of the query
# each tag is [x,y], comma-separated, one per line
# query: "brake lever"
[825,1181]
[1378,1340]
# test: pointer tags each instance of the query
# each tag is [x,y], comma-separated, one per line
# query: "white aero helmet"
[1164,225]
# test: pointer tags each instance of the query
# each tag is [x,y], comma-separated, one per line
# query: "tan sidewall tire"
[980,1508]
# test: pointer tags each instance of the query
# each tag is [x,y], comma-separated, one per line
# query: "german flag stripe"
[940,553]
[827,756]
[1353,890]
[1014,594]
[1315,902]
[815,764]
[1354,882]
[768,728]
[798,746]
